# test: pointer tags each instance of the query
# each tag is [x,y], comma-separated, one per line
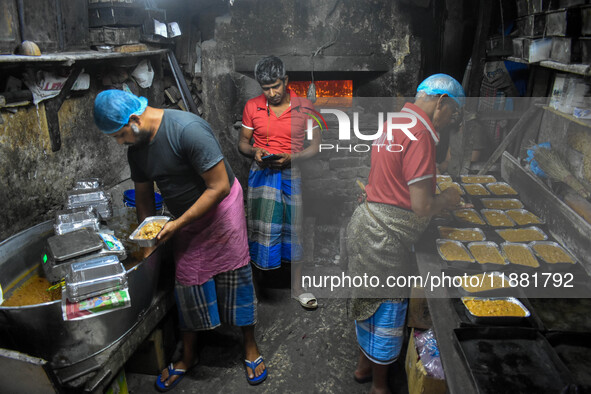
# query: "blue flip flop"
[160,386]
[252,365]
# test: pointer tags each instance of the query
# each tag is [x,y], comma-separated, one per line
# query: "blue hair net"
[443,84]
[113,108]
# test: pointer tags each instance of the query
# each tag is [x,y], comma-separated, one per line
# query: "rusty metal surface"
[563,223]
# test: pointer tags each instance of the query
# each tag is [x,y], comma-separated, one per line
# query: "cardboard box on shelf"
[418,380]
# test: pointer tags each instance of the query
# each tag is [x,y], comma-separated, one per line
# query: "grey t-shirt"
[184,147]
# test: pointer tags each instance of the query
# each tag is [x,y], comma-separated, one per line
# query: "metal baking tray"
[88,183]
[94,277]
[563,314]
[574,349]
[443,178]
[96,198]
[84,196]
[457,212]
[524,212]
[503,290]
[492,186]
[443,233]
[455,185]
[491,245]
[515,203]
[74,244]
[512,360]
[152,241]
[526,248]
[533,245]
[508,231]
[440,242]
[69,220]
[475,189]
[478,178]
[509,222]
[496,320]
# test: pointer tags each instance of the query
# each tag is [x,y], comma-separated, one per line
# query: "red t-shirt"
[408,162]
[278,134]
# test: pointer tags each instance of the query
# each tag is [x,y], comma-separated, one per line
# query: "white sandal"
[307,300]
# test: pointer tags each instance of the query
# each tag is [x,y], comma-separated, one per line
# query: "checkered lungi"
[274,211]
[228,297]
[381,336]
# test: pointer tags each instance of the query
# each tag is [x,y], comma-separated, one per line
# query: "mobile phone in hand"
[270,157]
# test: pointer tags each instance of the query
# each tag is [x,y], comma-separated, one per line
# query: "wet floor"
[305,352]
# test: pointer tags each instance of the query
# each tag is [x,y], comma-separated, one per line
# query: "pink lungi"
[215,243]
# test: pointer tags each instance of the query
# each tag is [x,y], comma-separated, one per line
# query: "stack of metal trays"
[88,183]
[94,277]
[97,198]
[78,246]
[69,220]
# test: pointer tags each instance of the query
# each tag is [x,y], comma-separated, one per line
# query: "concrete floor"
[305,352]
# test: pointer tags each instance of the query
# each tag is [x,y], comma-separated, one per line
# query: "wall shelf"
[582,122]
[70,58]
[580,69]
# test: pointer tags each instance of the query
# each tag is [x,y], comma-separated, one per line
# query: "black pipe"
[21,19]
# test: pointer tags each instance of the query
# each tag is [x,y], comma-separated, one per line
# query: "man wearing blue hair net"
[400,200]
[179,152]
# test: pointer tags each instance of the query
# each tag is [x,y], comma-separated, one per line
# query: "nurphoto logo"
[395,121]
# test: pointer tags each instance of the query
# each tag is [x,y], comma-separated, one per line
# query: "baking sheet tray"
[563,314]
[487,266]
[574,349]
[478,178]
[515,264]
[466,321]
[508,233]
[475,190]
[496,320]
[512,360]
[505,291]
[465,234]
[503,220]
[501,189]
[478,220]
[536,219]
[512,203]
[545,258]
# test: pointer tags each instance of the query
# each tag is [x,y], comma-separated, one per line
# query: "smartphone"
[270,157]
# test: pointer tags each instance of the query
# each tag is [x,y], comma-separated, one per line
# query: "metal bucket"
[40,331]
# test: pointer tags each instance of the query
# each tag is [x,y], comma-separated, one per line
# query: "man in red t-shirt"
[277,121]
[400,201]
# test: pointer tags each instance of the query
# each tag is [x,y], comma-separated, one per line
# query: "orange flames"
[342,88]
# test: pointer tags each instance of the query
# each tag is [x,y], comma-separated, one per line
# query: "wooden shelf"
[582,122]
[580,69]
[517,60]
[71,57]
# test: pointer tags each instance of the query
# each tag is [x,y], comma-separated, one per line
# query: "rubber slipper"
[160,386]
[253,365]
[304,300]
